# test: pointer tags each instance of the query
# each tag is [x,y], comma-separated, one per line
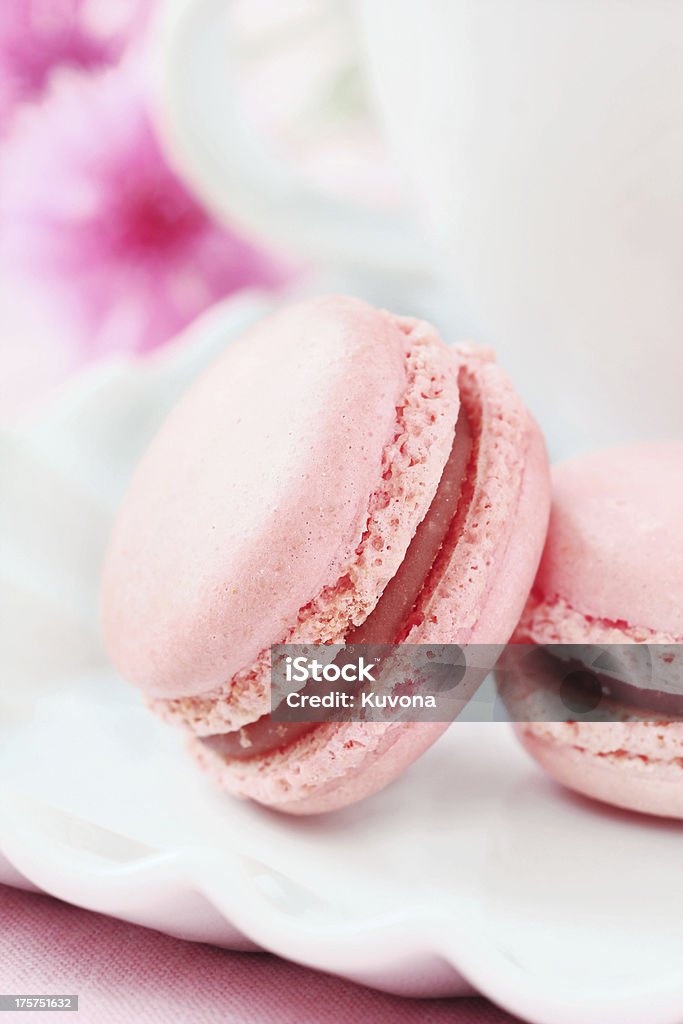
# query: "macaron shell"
[411,467]
[478,588]
[332,766]
[615,542]
[253,498]
[557,622]
[638,766]
[336,764]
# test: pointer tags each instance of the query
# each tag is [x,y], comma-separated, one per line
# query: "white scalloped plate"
[471,872]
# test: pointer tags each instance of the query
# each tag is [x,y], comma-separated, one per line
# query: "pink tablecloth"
[125,973]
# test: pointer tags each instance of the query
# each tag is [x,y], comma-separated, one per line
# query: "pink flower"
[39,36]
[93,217]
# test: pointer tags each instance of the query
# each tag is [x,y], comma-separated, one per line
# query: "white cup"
[541,142]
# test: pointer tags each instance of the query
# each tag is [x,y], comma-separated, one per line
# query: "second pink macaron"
[338,475]
[610,584]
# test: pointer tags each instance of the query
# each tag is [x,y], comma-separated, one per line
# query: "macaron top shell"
[614,551]
[255,495]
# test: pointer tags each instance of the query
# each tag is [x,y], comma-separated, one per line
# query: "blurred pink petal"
[39,36]
[92,215]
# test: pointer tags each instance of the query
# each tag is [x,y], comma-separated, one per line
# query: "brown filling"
[398,600]
[555,689]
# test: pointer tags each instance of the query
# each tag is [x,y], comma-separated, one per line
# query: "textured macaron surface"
[253,507]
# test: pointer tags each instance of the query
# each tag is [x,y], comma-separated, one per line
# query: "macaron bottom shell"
[633,765]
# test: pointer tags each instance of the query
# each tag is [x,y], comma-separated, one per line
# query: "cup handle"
[217,151]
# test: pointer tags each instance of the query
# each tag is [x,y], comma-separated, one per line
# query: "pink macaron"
[338,475]
[611,577]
